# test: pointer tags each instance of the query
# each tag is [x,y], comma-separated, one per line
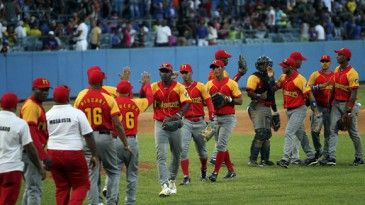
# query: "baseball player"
[170,100]
[344,107]
[295,158]
[295,89]
[320,83]
[33,113]
[194,123]
[223,56]
[102,113]
[14,137]
[262,98]
[225,118]
[67,126]
[129,112]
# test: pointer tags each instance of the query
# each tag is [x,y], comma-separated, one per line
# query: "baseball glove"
[171,124]
[219,100]
[345,122]
[275,123]
[242,65]
[318,122]
[208,132]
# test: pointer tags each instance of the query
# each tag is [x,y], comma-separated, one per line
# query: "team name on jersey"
[291,94]
[342,87]
[197,100]
[170,105]
[6,129]
[128,106]
[92,100]
[62,120]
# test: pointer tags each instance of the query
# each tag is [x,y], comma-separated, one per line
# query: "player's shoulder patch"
[356,81]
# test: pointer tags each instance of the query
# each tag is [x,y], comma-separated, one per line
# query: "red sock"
[185,167]
[203,163]
[218,161]
[228,162]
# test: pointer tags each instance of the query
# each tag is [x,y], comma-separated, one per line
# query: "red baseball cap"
[297,56]
[218,63]
[9,101]
[124,87]
[222,54]
[186,67]
[344,51]
[96,77]
[166,66]
[92,68]
[41,83]
[288,62]
[61,94]
[325,58]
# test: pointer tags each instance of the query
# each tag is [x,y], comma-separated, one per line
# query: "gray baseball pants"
[164,138]
[193,130]
[338,109]
[33,182]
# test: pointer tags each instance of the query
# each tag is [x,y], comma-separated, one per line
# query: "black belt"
[131,136]
[104,132]
[288,109]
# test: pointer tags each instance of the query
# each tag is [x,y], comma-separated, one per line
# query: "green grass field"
[342,184]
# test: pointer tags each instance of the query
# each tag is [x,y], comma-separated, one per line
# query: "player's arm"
[352,100]
[184,109]
[313,103]
[90,143]
[146,90]
[42,153]
[34,158]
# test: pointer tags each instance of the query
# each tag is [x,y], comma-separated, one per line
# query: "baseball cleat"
[310,162]
[231,175]
[252,163]
[186,181]
[165,191]
[331,162]
[203,176]
[318,154]
[298,162]
[104,192]
[358,162]
[172,185]
[213,177]
[266,163]
[283,163]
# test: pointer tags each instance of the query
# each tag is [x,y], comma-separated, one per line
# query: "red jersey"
[33,113]
[98,107]
[322,96]
[295,89]
[168,100]
[198,94]
[344,81]
[254,83]
[229,88]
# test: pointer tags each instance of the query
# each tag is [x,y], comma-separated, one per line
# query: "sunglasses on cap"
[324,61]
[184,72]
[286,63]
[164,71]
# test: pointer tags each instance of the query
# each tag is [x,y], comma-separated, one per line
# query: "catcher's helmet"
[263,60]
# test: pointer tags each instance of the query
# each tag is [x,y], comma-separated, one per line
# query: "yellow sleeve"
[114,110]
[203,90]
[278,83]
[208,85]
[111,90]
[236,92]
[142,103]
[252,82]
[225,73]
[353,78]
[301,83]
[30,112]
[313,78]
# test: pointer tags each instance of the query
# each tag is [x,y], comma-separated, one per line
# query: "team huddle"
[102,125]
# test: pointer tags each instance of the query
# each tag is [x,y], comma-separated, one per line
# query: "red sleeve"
[146,91]
[41,152]
[237,77]
[210,107]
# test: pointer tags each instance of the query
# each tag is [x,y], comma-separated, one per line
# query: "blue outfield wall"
[69,67]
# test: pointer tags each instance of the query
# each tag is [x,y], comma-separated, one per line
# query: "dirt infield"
[244,125]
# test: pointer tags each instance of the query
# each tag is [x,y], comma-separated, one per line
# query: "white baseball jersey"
[14,134]
[66,127]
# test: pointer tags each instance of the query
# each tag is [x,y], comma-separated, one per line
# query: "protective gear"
[220,99]
[253,104]
[318,122]
[242,65]
[172,124]
[263,60]
[263,134]
[275,122]
[209,131]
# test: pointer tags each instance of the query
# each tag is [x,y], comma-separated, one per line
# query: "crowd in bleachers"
[53,25]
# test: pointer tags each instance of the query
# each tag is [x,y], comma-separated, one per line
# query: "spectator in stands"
[133,9]
[163,34]
[270,20]
[157,9]
[19,30]
[106,9]
[320,33]
[117,38]
[81,35]
[212,34]
[95,35]
[304,31]
[50,43]
[34,30]
[10,11]
[201,32]
[4,49]
[329,28]
[183,32]
[10,35]
[105,28]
